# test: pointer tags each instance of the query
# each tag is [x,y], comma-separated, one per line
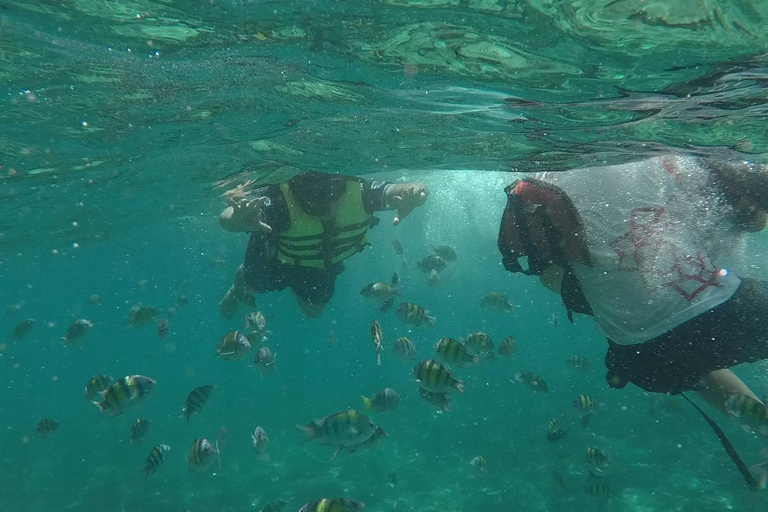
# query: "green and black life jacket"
[312,242]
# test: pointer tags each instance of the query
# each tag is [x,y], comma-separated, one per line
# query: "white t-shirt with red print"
[655,230]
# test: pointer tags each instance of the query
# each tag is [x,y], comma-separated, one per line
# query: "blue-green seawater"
[122,123]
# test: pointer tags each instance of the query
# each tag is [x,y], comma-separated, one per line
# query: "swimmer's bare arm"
[404,197]
[245,215]
[238,293]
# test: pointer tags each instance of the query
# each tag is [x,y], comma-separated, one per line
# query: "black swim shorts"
[732,333]
[264,273]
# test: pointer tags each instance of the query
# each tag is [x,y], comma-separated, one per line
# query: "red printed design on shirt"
[648,247]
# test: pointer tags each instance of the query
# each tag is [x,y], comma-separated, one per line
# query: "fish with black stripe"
[341,429]
[405,349]
[557,431]
[752,413]
[580,362]
[155,459]
[139,430]
[434,377]
[96,385]
[385,400]
[46,427]
[508,347]
[453,352]
[124,393]
[201,455]
[440,400]
[596,458]
[599,490]
[333,505]
[195,401]
[413,314]
[585,404]
[376,337]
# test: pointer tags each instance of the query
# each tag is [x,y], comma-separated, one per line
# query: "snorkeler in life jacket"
[636,246]
[303,229]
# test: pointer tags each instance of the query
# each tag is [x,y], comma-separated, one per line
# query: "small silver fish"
[261,444]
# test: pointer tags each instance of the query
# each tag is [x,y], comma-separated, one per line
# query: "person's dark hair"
[316,192]
[741,179]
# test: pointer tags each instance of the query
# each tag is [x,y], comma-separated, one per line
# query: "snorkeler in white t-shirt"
[639,247]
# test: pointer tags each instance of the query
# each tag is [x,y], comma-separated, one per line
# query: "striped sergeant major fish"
[96,385]
[124,393]
[155,459]
[195,401]
[333,505]
[453,352]
[139,430]
[342,429]
[434,377]
[413,314]
[201,454]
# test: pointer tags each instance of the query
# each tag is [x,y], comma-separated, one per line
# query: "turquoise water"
[123,124]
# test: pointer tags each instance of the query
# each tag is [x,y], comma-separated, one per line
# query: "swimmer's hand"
[244,215]
[405,197]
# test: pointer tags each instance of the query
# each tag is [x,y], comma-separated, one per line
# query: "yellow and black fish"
[139,429]
[596,458]
[155,458]
[195,401]
[413,314]
[124,393]
[579,362]
[497,301]
[96,385]
[751,412]
[557,431]
[599,490]
[453,352]
[46,427]
[385,400]
[341,429]
[479,343]
[508,347]
[434,377]
[585,403]
[333,505]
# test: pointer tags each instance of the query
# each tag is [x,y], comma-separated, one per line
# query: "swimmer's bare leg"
[237,294]
[718,386]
